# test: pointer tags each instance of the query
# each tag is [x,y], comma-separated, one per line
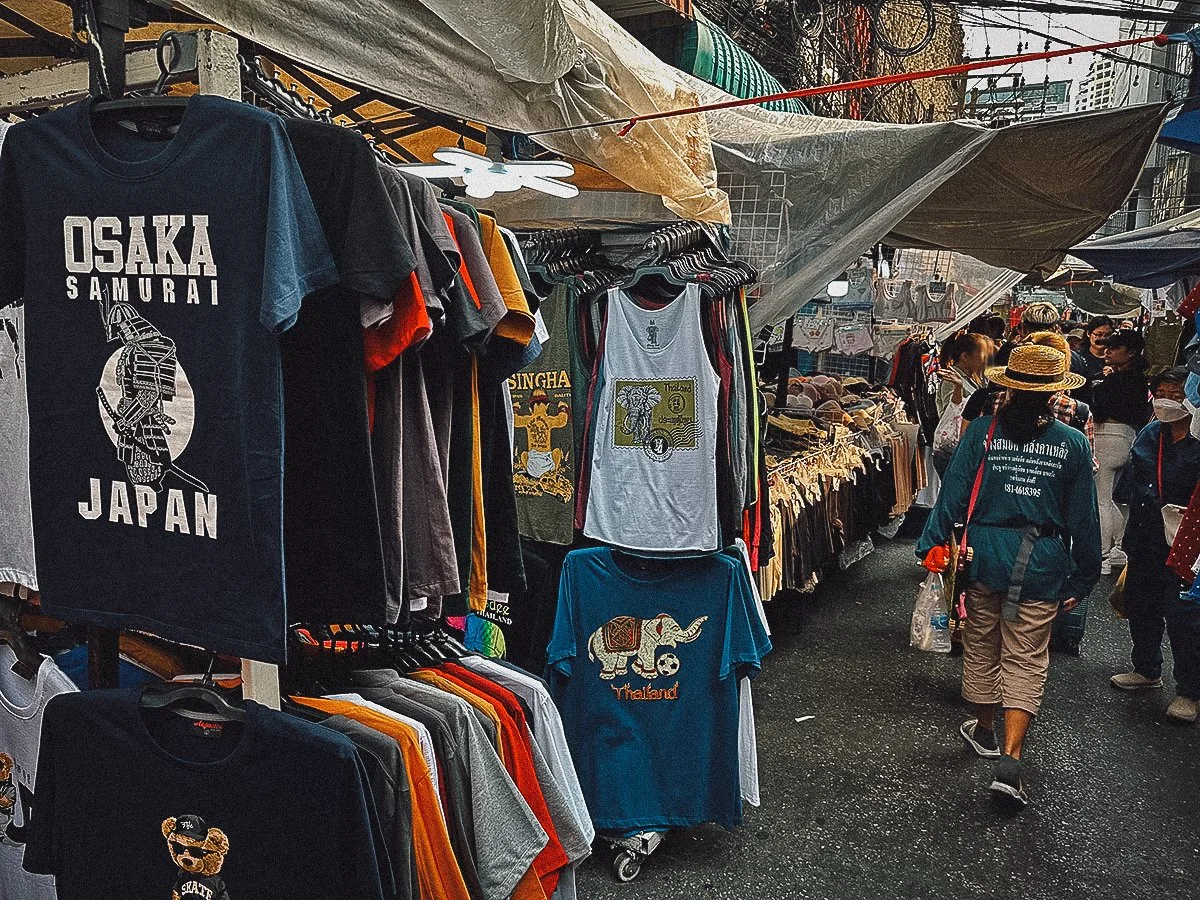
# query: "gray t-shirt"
[21,705]
[16,522]
[459,815]
[388,780]
[569,813]
[507,835]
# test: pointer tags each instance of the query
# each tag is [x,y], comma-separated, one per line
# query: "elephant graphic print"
[647,660]
[654,455]
[626,638]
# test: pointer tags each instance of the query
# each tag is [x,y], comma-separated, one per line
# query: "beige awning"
[522,67]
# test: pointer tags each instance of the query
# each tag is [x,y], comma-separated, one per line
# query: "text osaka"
[167,258]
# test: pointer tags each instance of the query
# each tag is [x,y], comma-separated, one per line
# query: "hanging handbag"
[962,556]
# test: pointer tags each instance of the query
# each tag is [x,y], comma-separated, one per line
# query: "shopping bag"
[1172,514]
[930,628]
[949,428]
[1117,598]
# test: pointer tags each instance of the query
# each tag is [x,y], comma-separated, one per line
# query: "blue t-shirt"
[648,667]
[156,275]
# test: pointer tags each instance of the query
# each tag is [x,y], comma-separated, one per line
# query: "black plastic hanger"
[28,659]
[156,104]
[214,706]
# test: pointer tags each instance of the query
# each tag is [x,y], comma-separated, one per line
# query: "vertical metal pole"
[104,657]
[106,49]
[781,387]
[219,74]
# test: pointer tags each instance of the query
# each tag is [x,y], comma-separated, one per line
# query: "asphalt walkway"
[875,797]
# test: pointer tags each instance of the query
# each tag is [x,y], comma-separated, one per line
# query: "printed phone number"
[1023,490]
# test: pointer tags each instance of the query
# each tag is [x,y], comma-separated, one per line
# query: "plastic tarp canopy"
[1148,257]
[1015,197]
[521,67]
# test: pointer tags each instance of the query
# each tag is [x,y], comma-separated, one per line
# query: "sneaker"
[1105,567]
[1117,558]
[1132,681]
[982,742]
[1183,709]
[1007,783]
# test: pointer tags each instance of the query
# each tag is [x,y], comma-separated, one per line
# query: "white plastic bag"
[949,428]
[930,629]
[1173,515]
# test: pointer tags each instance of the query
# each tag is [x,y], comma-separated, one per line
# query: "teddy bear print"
[199,852]
[8,794]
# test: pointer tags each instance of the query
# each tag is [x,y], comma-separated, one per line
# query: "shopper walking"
[1022,481]
[987,400]
[1164,469]
[1035,317]
[1092,356]
[965,357]
[1121,407]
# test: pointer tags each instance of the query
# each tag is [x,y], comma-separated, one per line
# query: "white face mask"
[1170,410]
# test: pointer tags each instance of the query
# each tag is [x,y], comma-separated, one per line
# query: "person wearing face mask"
[1121,407]
[1164,469]
[1090,357]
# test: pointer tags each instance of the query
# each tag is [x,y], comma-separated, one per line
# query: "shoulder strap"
[978,481]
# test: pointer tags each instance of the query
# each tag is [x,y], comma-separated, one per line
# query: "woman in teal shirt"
[1035,535]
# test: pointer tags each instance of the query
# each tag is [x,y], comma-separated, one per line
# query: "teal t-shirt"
[647,666]
[1047,482]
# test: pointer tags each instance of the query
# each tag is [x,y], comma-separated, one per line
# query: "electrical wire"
[878,81]
[1141,64]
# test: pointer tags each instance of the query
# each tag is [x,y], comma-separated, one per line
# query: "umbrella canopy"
[1183,131]
[1148,257]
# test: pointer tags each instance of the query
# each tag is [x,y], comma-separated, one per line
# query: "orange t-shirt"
[518,761]
[518,323]
[438,873]
[408,326]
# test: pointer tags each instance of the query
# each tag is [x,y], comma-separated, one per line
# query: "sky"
[1003,40]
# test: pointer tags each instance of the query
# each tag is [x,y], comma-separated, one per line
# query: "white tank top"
[653,484]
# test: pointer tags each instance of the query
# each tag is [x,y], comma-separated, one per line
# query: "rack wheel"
[626,867]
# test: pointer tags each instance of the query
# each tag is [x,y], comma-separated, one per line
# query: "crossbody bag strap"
[962,550]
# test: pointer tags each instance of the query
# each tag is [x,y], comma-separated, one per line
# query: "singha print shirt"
[646,656]
[156,275]
[270,808]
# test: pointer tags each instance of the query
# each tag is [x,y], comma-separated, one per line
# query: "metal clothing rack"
[112,72]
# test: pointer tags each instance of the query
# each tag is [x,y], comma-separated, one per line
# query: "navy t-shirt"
[156,276]
[648,665]
[272,808]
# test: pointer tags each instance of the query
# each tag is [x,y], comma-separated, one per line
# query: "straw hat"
[1035,367]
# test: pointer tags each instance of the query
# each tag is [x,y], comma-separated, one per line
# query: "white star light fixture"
[483,177]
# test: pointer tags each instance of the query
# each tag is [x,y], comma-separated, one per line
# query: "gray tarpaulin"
[522,67]
[1038,188]
[1014,197]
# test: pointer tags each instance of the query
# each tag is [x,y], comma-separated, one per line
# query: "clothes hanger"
[213,706]
[157,104]
[28,659]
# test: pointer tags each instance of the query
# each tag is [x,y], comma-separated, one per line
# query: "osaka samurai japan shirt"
[648,663]
[156,276]
[162,806]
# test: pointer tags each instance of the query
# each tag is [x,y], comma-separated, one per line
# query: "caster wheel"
[626,867]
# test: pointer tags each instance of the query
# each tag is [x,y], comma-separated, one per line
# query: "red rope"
[878,81]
